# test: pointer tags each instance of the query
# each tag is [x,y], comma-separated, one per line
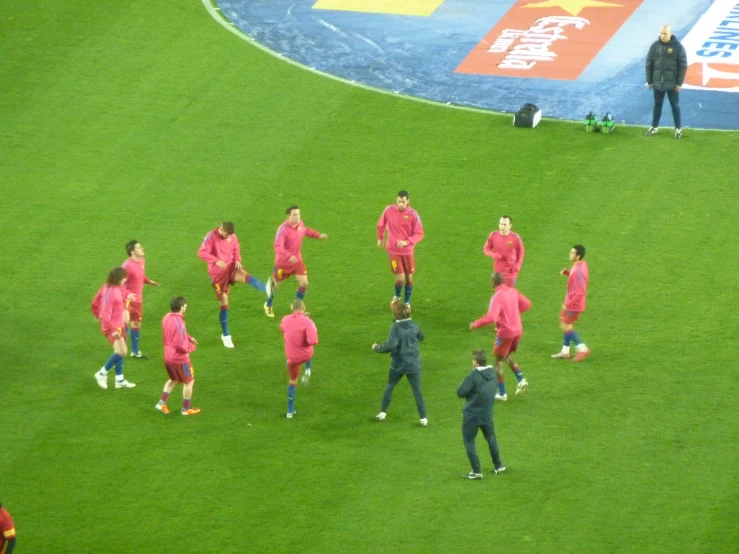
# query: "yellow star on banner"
[573,7]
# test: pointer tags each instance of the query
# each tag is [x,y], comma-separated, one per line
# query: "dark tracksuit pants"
[659,97]
[415,380]
[469,432]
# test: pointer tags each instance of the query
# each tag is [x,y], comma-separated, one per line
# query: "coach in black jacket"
[666,67]
[478,389]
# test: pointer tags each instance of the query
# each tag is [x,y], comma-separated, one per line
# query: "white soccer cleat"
[561,356]
[381,416]
[424,422]
[521,388]
[291,414]
[124,384]
[227,342]
[305,379]
[102,380]
[501,397]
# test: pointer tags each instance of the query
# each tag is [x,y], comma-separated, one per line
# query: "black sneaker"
[139,356]
[472,475]
[678,133]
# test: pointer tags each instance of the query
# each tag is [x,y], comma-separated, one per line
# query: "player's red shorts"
[223,280]
[180,373]
[282,272]
[568,317]
[504,346]
[293,370]
[400,264]
[135,311]
[109,334]
[509,280]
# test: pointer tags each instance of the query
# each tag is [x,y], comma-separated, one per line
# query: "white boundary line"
[212,8]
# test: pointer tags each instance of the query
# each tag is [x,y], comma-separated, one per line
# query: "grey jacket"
[479,390]
[402,343]
[666,64]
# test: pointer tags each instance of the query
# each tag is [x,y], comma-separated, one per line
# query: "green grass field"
[148,120]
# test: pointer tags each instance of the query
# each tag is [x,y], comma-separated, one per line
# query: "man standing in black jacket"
[479,390]
[666,67]
[402,344]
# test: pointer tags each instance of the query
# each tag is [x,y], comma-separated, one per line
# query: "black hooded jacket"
[479,390]
[666,64]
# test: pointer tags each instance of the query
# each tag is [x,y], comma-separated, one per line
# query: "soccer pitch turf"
[147,120]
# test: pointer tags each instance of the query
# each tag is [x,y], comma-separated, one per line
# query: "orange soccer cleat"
[191,411]
[580,356]
[162,407]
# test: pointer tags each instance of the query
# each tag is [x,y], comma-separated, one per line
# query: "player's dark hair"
[480,357]
[402,311]
[291,208]
[176,303]
[498,279]
[116,275]
[298,304]
[509,218]
[228,226]
[580,249]
[403,194]
[130,245]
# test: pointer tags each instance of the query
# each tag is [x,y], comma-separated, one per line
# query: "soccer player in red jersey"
[288,255]
[222,252]
[506,307]
[577,288]
[404,231]
[135,279]
[177,347]
[506,249]
[300,336]
[7,532]
[108,306]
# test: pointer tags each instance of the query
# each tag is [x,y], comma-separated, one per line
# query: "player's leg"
[393,379]
[222,296]
[120,348]
[581,349]
[515,368]
[293,372]
[168,388]
[415,380]
[399,275]
[488,431]
[565,325]
[659,98]
[674,97]
[469,433]
[409,268]
[101,376]
[187,378]
[278,275]
[501,349]
[302,286]
[306,374]
[135,332]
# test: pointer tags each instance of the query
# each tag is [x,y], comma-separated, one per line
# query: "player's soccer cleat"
[501,397]
[102,380]
[162,407]
[678,133]
[472,475]
[191,411]
[424,422]
[522,385]
[305,378]
[651,132]
[561,356]
[270,287]
[500,469]
[268,310]
[291,414]
[124,384]
[580,356]
[227,342]
[381,416]
[139,356]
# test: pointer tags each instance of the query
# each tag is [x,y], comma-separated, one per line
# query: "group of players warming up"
[118,306]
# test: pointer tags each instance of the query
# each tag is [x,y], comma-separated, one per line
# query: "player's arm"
[521,252]
[206,249]
[578,286]
[281,251]
[465,388]
[10,545]
[150,282]
[416,231]
[524,304]
[392,341]
[488,318]
[96,303]
[311,334]
[381,226]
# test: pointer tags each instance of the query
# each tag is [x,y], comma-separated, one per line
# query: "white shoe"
[501,469]
[124,384]
[424,422]
[102,380]
[227,342]
[305,379]
[271,284]
[521,388]
[381,416]
[291,414]
[501,397]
